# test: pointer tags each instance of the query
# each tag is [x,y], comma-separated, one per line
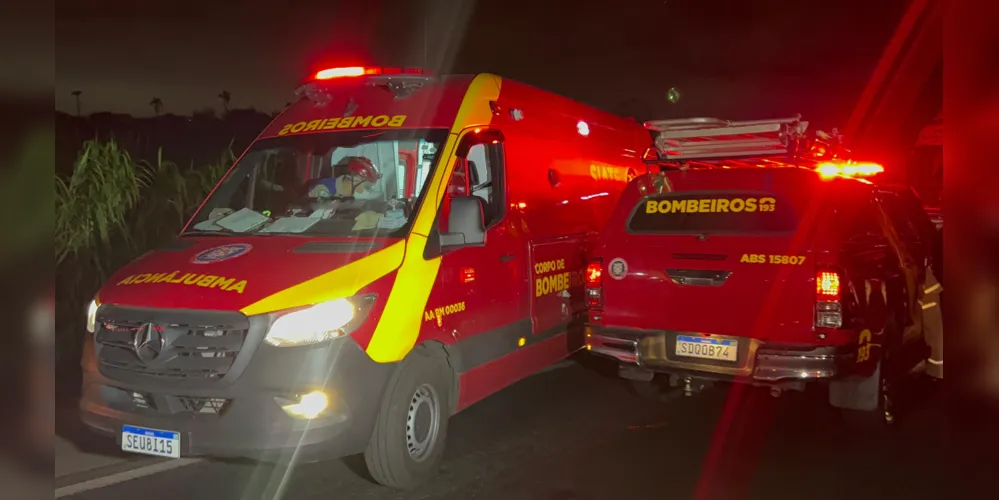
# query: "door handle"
[697,277]
[507,257]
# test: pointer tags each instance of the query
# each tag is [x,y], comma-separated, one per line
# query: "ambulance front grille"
[202,350]
[147,402]
[212,406]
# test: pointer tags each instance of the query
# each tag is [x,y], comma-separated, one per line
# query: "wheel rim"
[422,422]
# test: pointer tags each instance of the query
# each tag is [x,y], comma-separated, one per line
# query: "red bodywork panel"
[561,187]
[368,104]
[170,279]
[764,296]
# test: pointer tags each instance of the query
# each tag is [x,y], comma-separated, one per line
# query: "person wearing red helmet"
[361,181]
[351,177]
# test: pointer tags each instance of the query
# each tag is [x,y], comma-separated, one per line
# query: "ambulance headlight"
[319,323]
[92,316]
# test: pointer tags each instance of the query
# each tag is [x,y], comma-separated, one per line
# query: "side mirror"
[465,223]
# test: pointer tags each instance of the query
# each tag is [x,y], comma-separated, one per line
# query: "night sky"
[730,58]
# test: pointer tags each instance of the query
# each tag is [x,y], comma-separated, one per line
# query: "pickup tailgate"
[726,263]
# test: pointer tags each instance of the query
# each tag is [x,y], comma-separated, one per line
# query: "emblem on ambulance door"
[221,253]
[617,268]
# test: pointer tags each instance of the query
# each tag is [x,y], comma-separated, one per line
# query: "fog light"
[309,405]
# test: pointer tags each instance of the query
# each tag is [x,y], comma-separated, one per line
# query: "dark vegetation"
[124,186]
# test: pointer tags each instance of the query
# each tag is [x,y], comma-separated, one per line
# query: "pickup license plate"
[150,441]
[707,348]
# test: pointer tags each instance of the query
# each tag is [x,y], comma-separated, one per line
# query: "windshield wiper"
[202,232]
[225,232]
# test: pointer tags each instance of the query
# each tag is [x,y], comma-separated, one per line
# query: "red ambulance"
[393,248]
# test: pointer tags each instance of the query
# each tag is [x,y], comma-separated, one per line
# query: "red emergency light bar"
[354,71]
[848,169]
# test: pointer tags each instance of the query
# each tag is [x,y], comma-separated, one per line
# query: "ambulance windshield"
[339,184]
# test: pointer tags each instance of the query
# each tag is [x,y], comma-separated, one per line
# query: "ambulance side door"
[557,270]
[492,274]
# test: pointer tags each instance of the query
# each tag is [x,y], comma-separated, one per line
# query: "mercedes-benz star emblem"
[148,342]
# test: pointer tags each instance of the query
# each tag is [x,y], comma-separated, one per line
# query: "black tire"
[656,389]
[420,386]
[647,389]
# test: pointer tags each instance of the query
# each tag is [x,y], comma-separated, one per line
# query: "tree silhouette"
[157,105]
[225,96]
[76,95]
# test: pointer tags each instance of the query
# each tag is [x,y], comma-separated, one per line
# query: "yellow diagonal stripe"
[398,328]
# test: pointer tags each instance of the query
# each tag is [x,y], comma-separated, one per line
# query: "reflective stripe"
[336,284]
[398,328]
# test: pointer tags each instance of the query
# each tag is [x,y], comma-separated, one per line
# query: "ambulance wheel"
[408,441]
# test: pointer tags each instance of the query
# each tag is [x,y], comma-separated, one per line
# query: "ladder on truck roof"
[706,139]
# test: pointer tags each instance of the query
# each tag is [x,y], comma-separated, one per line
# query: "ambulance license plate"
[707,348]
[150,441]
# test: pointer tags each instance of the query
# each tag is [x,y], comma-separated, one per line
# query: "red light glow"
[594,274]
[830,169]
[354,71]
[827,285]
[467,275]
[330,73]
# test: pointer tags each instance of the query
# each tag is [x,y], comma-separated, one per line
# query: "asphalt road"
[577,434]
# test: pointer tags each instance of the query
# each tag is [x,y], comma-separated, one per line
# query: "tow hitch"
[690,385]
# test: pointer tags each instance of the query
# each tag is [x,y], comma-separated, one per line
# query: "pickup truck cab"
[775,275]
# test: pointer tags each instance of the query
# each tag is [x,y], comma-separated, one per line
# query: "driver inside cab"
[352,177]
[351,189]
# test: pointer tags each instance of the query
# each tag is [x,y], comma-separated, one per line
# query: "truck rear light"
[828,315]
[594,285]
[827,285]
[828,308]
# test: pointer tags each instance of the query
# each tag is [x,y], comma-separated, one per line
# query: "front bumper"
[757,361]
[241,414]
